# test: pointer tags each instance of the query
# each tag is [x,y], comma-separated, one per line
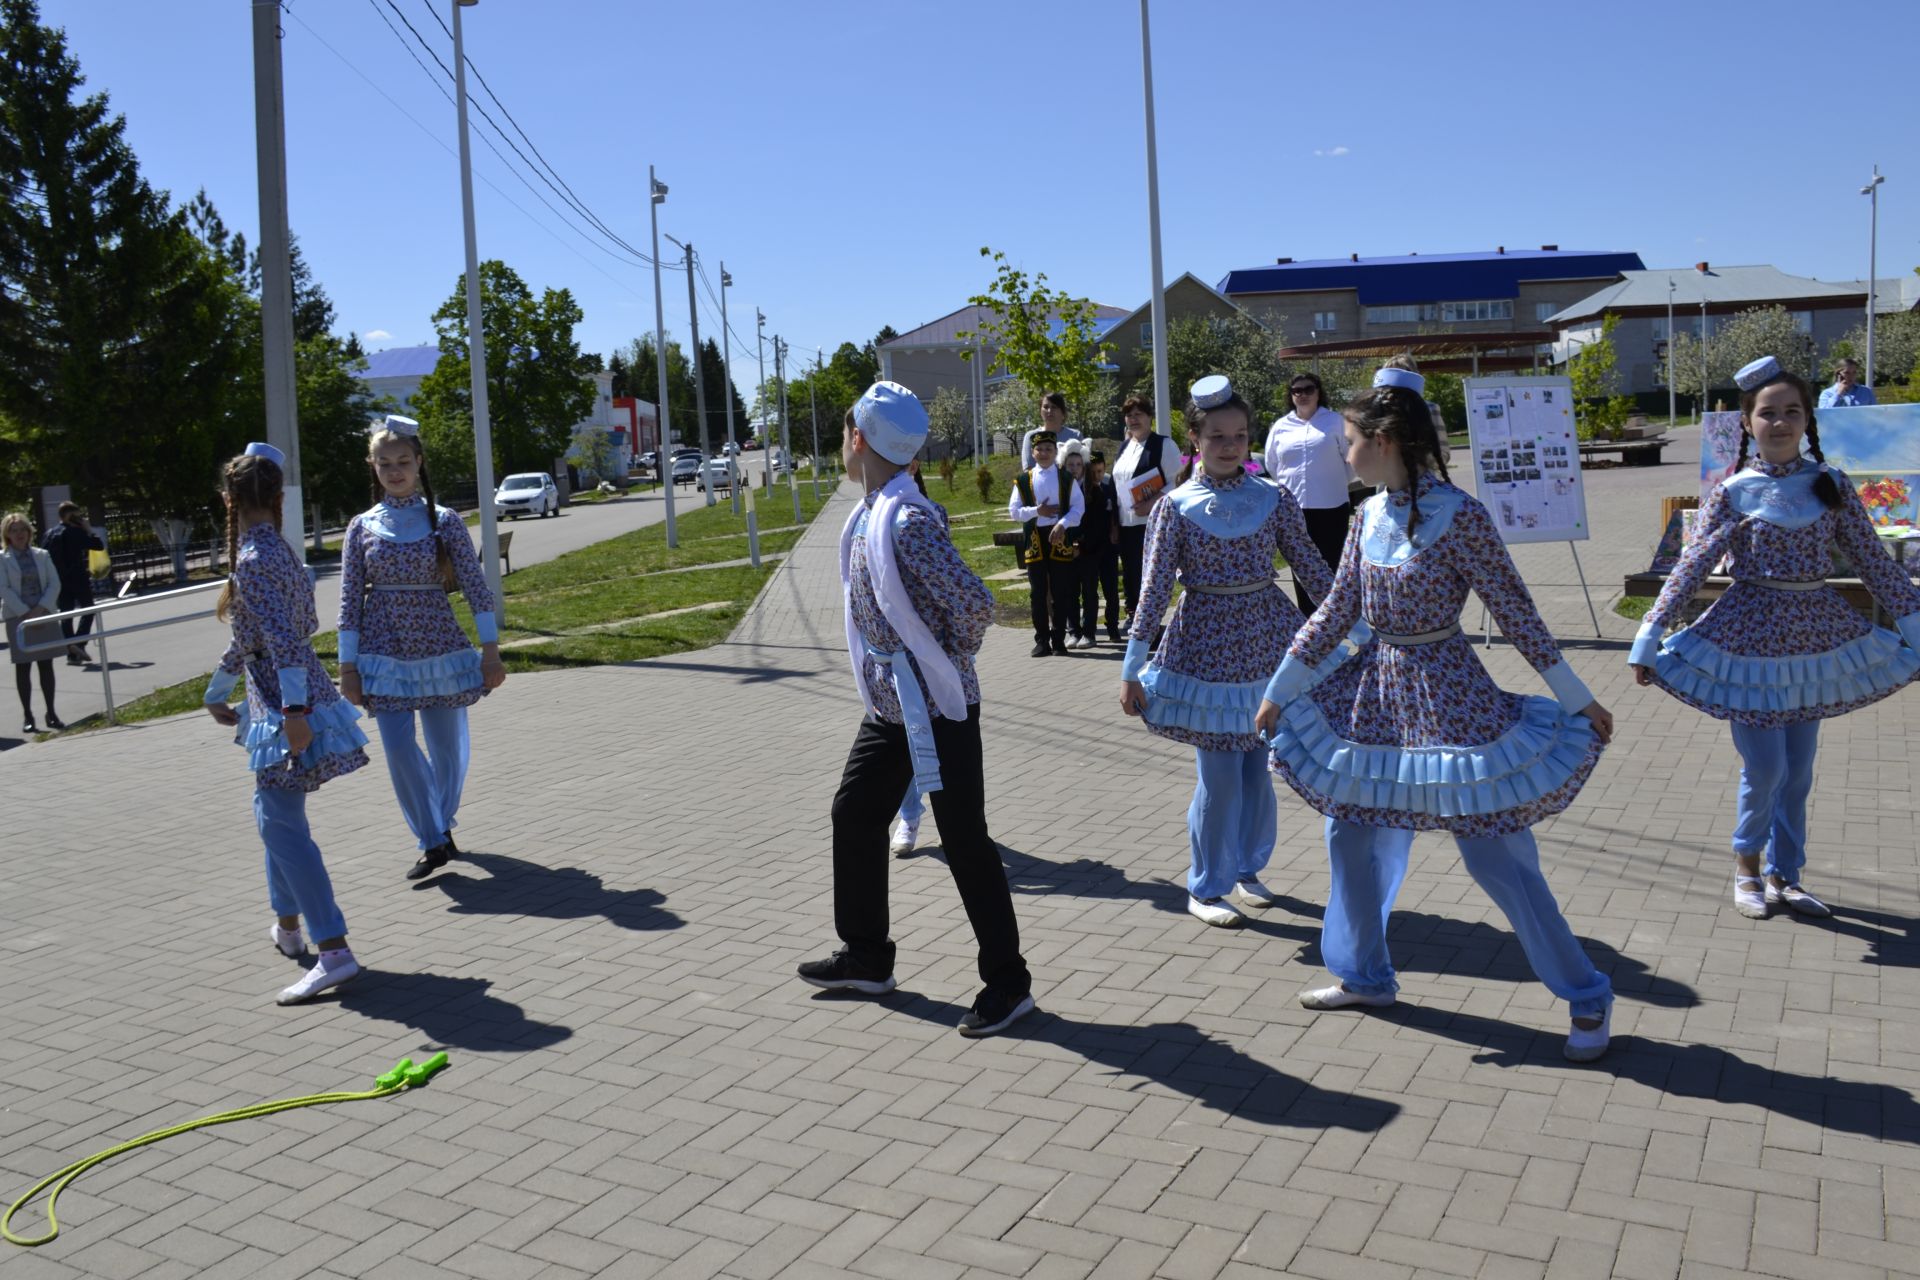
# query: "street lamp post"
[813,413]
[657,192]
[726,389]
[476,334]
[786,432]
[1162,410]
[1872,192]
[276,273]
[1673,395]
[1702,407]
[699,379]
[760,398]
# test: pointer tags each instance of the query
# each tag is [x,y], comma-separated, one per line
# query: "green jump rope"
[406,1074]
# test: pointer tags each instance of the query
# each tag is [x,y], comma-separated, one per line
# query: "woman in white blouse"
[1307,453]
[1145,453]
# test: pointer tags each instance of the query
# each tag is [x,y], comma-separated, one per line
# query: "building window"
[1325,322]
[1543,311]
[1803,322]
[1393,315]
[1461,312]
[1146,333]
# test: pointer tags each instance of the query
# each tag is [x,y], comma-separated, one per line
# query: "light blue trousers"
[913,806]
[297,883]
[1230,824]
[427,783]
[1776,777]
[1370,862]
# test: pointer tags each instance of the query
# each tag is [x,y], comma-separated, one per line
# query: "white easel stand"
[1573,548]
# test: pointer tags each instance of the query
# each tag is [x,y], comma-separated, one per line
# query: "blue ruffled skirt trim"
[1180,701]
[1544,751]
[336,732]
[439,676]
[1842,678]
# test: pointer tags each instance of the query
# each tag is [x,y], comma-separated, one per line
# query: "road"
[193,642]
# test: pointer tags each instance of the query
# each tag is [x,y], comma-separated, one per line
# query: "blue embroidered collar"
[1230,508]
[1779,494]
[401,520]
[1383,531]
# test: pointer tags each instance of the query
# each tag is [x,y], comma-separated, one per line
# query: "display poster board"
[1526,457]
[1878,446]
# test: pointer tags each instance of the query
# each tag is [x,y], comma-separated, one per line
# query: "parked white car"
[529,493]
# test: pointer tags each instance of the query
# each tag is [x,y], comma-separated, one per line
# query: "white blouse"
[1309,457]
[1130,463]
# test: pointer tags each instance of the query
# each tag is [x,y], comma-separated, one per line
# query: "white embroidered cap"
[1211,391]
[259,449]
[398,425]
[1391,377]
[1075,448]
[1757,374]
[892,420]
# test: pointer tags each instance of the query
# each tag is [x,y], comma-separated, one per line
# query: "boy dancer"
[1048,502]
[915,617]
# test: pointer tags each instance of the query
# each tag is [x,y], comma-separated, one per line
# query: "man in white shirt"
[1145,456]
[1048,502]
[1307,455]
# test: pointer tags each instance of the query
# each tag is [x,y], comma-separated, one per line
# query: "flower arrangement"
[1884,496]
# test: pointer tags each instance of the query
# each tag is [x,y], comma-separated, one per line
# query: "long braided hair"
[252,484]
[380,440]
[1403,417]
[1824,487]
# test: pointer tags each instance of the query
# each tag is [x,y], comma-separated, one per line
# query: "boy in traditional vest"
[915,617]
[1048,502]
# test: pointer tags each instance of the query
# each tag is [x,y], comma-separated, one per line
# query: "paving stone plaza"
[640,1087]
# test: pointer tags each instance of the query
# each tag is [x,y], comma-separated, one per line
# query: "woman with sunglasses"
[1306,454]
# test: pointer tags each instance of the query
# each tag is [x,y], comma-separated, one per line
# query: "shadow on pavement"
[516,887]
[449,1011]
[748,675]
[1689,1071]
[1185,1059]
[1890,939]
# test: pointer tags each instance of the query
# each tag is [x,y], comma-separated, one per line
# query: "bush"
[946,471]
[983,480]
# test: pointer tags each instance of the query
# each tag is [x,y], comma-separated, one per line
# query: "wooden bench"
[1647,583]
[1633,453]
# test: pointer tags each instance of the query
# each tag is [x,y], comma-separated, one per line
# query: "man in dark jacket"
[69,545]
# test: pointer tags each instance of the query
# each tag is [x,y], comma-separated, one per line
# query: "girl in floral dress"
[1780,651]
[1216,536]
[402,653]
[1411,734]
[296,730]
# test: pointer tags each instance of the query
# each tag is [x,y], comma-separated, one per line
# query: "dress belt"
[1425,637]
[1785,584]
[1237,589]
[406,586]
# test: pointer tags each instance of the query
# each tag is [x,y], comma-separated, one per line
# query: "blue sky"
[848,158]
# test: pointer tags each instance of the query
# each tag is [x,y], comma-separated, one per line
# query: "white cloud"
[376,335]
[1330,151]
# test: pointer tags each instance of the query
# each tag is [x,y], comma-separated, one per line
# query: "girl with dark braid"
[1780,651]
[297,731]
[403,655]
[1411,733]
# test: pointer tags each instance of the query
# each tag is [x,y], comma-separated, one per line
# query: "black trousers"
[1327,526]
[1099,570]
[1133,551]
[76,597]
[878,772]
[1054,586]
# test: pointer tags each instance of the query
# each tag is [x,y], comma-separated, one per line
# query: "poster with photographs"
[1526,457]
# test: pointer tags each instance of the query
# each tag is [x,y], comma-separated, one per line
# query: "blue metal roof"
[402,362]
[1440,277]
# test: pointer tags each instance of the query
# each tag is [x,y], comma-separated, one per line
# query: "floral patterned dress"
[1418,736]
[949,597]
[1770,655]
[396,624]
[272,617]
[1204,683]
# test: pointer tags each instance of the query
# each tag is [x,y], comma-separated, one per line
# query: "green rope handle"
[406,1074]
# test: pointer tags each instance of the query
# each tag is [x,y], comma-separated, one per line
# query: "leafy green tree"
[1744,337]
[1896,346]
[336,410]
[1594,373]
[720,389]
[1021,332]
[1239,346]
[1012,410]
[643,383]
[537,380]
[950,421]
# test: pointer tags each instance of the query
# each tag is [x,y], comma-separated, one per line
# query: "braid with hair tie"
[1740,459]
[225,603]
[441,557]
[1824,487]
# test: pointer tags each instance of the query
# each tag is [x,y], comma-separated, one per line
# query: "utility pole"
[1872,192]
[760,398]
[1673,393]
[657,192]
[1162,410]
[726,389]
[786,434]
[813,412]
[476,335]
[699,383]
[276,266]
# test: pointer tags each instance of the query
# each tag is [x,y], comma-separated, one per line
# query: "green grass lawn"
[549,607]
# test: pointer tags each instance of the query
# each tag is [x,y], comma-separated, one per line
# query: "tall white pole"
[1161,409]
[657,196]
[813,412]
[1673,394]
[1703,352]
[1872,192]
[726,388]
[476,336]
[699,378]
[760,398]
[276,265]
[786,433]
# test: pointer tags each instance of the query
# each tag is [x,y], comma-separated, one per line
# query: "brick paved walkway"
[641,1088]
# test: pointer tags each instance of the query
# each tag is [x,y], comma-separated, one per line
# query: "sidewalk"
[641,1088]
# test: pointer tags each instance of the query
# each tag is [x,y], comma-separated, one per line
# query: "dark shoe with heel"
[430,861]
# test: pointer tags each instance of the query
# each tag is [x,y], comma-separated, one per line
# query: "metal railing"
[46,649]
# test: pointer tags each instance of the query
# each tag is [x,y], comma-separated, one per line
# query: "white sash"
[890,592]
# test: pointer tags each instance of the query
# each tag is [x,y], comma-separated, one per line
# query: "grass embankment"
[622,600]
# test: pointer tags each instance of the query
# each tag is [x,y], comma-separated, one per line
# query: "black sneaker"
[841,972]
[1042,649]
[430,861]
[1113,635]
[994,1010]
